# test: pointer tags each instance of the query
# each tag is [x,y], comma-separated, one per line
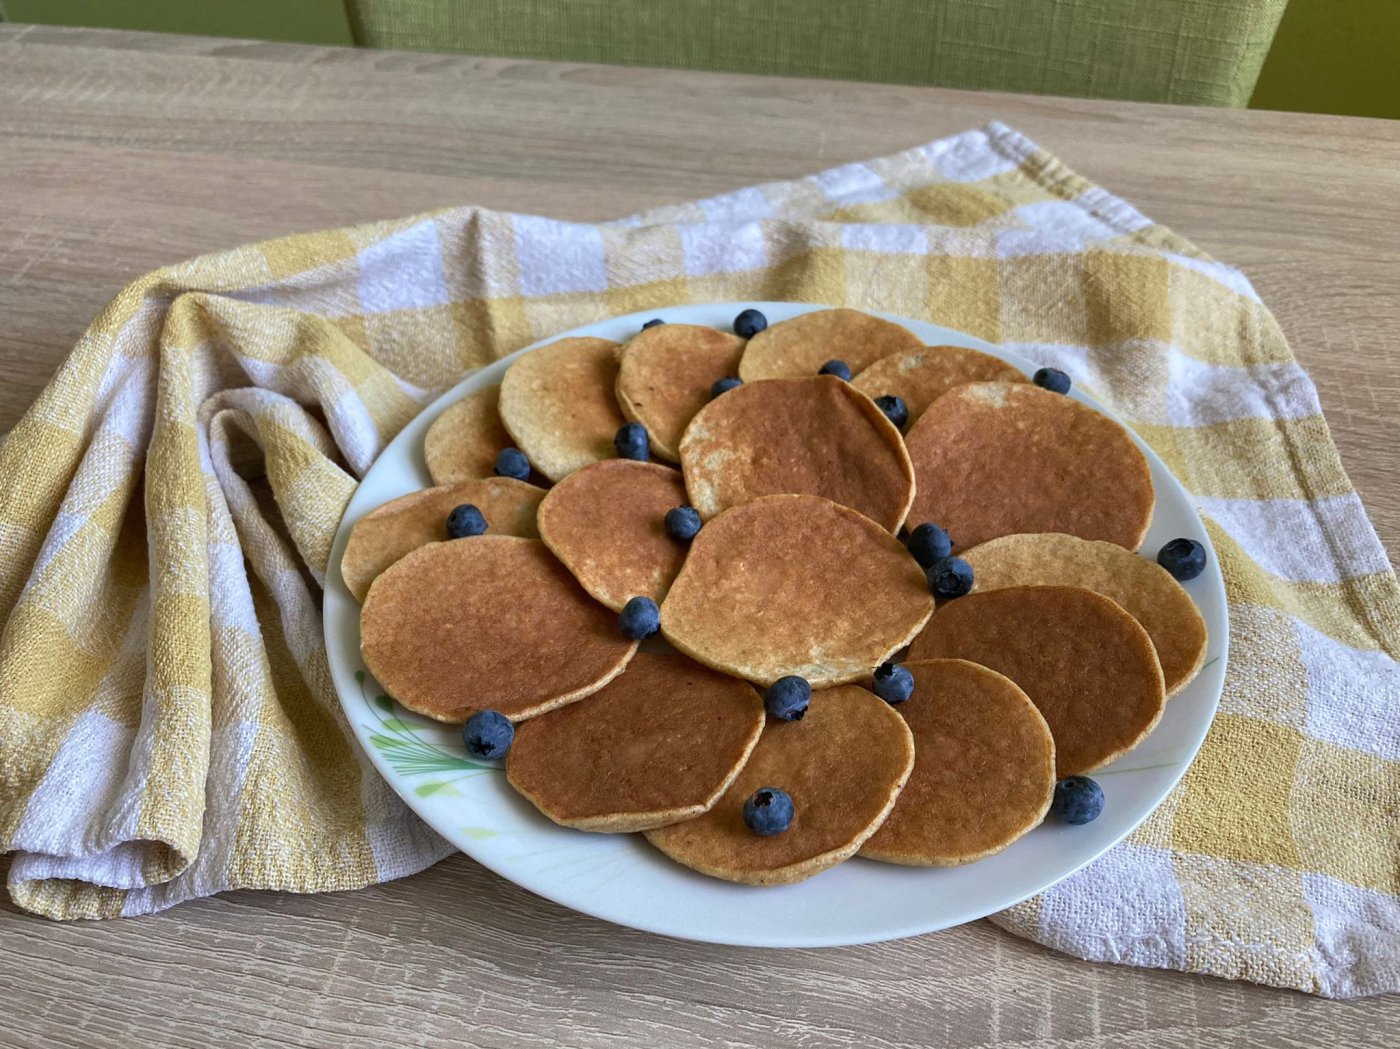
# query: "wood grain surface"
[123,152]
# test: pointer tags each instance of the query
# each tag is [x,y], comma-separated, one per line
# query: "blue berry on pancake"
[950,577]
[640,618]
[511,462]
[768,811]
[749,323]
[464,521]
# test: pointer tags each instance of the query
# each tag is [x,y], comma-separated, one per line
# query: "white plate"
[622,879]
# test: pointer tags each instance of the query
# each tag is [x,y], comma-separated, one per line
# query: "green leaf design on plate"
[407,751]
[437,786]
[479,833]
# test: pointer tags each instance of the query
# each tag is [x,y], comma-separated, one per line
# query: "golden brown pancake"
[795,584]
[1085,663]
[996,458]
[389,531]
[666,375]
[657,744]
[922,376]
[488,623]
[984,768]
[463,442]
[816,436]
[559,405]
[796,348]
[1144,589]
[843,764]
[606,522]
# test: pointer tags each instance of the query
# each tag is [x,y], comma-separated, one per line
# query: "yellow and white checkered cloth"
[167,723]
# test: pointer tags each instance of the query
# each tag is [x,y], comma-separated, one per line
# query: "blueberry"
[896,411]
[725,385]
[465,520]
[840,369]
[1077,800]
[768,811]
[1183,558]
[749,323]
[683,523]
[929,544]
[653,323]
[787,698]
[1052,379]
[950,577]
[640,618]
[893,683]
[511,462]
[488,734]
[631,442]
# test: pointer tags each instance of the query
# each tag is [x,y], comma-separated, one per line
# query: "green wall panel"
[303,21]
[1335,56]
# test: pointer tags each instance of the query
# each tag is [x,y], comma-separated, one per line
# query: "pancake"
[488,623]
[559,406]
[464,440]
[389,531]
[606,522]
[666,375]
[657,744]
[798,347]
[795,584]
[816,436]
[843,764]
[922,376]
[1144,589]
[995,458]
[984,768]
[1086,664]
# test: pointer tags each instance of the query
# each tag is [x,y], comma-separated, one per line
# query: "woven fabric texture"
[1202,52]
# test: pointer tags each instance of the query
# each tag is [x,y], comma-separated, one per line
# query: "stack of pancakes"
[1059,661]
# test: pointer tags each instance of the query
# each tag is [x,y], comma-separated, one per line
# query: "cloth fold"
[167,724]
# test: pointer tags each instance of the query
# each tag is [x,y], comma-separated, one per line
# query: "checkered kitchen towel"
[167,723]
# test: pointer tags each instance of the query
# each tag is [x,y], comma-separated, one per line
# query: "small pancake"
[816,436]
[1086,664]
[1144,589]
[997,458]
[490,623]
[922,376]
[984,768]
[796,348]
[464,440]
[657,744]
[607,523]
[666,375]
[559,405]
[389,531]
[843,764]
[795,584]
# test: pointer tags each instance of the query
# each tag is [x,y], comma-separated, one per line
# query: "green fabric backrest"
[1207,52]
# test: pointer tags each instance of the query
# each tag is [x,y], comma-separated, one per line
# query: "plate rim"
[408,439]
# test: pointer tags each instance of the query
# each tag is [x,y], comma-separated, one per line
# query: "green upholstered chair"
[1197,51]
[1206,52]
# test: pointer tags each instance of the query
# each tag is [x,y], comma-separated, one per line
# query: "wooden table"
[122,152]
